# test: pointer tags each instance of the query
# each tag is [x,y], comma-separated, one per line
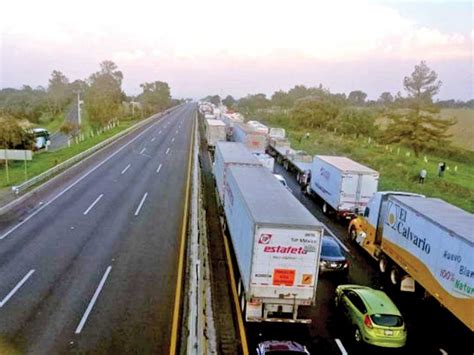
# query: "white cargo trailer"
[426,240]
[228,154]
[215,132]
[266,160]
[276,242]
[344,185]
[255,141]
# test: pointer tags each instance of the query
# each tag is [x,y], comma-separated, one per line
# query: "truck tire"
[383,264]
[353,234]
[394,276]
[325,208]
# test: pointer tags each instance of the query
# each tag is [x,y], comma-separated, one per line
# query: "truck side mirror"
[366,212]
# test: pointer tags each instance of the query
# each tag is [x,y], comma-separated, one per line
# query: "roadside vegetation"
[46,160]
[105,110]
[398,135]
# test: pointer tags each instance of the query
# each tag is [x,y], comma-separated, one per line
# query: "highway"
[93,268]
[431,329]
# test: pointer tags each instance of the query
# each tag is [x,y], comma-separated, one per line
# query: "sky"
[241,47]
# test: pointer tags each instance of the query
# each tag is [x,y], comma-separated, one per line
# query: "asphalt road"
[58,139]
[431,329]
[94,271]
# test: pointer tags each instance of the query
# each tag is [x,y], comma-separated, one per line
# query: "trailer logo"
[396,219]
[324,173]
[265,238]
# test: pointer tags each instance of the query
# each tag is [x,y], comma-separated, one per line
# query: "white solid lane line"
[93,300]
[159,168]
[141,204]
[16,288]
[341,347]
[14,228]
[93,204]
[141,151]
[126,168]
[167,151]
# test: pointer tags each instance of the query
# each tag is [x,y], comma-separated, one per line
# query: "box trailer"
[215,132]
[422,242]
[228,154]
[276,243]
[344,185]
[255,141]
[266,160]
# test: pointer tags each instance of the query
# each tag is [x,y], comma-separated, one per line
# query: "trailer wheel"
[394,276]
[383,264]
[325,208]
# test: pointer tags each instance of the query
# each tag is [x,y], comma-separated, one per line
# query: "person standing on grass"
[441,169]
[422,176]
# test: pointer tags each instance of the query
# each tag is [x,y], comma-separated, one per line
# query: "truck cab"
[366,230]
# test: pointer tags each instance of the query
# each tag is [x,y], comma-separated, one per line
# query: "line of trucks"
[420,243]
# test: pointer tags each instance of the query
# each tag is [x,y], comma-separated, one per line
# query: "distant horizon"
[213,47]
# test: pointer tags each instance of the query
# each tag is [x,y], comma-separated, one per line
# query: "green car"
[374,317]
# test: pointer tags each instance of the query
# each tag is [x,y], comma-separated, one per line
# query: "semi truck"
[344,186]
[226,155]
[422,243]
[296,161]
[215,132]
[276,243]
[254,140]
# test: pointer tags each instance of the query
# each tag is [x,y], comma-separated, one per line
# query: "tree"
[104,95]
[59,92]
[214,99]
[70,129]
[282,99]
[356,121]
[252,103]
[26,103]
[229,101]
[316,112]
[386,98]
[155,97]
[415,124]
[12,135]
[357,97]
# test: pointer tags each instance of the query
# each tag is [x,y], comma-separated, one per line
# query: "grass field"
[44,160]
[463,130]
[398,167]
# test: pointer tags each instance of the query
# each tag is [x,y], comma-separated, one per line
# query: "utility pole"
[78,92]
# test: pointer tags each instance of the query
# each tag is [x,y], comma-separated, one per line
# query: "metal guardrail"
[71,161]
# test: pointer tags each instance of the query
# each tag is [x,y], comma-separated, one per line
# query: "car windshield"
[330,249]
[387,320]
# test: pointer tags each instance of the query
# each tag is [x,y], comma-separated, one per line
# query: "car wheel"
[357,336]
[383,264]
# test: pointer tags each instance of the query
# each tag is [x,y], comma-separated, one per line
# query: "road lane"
[70,250]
